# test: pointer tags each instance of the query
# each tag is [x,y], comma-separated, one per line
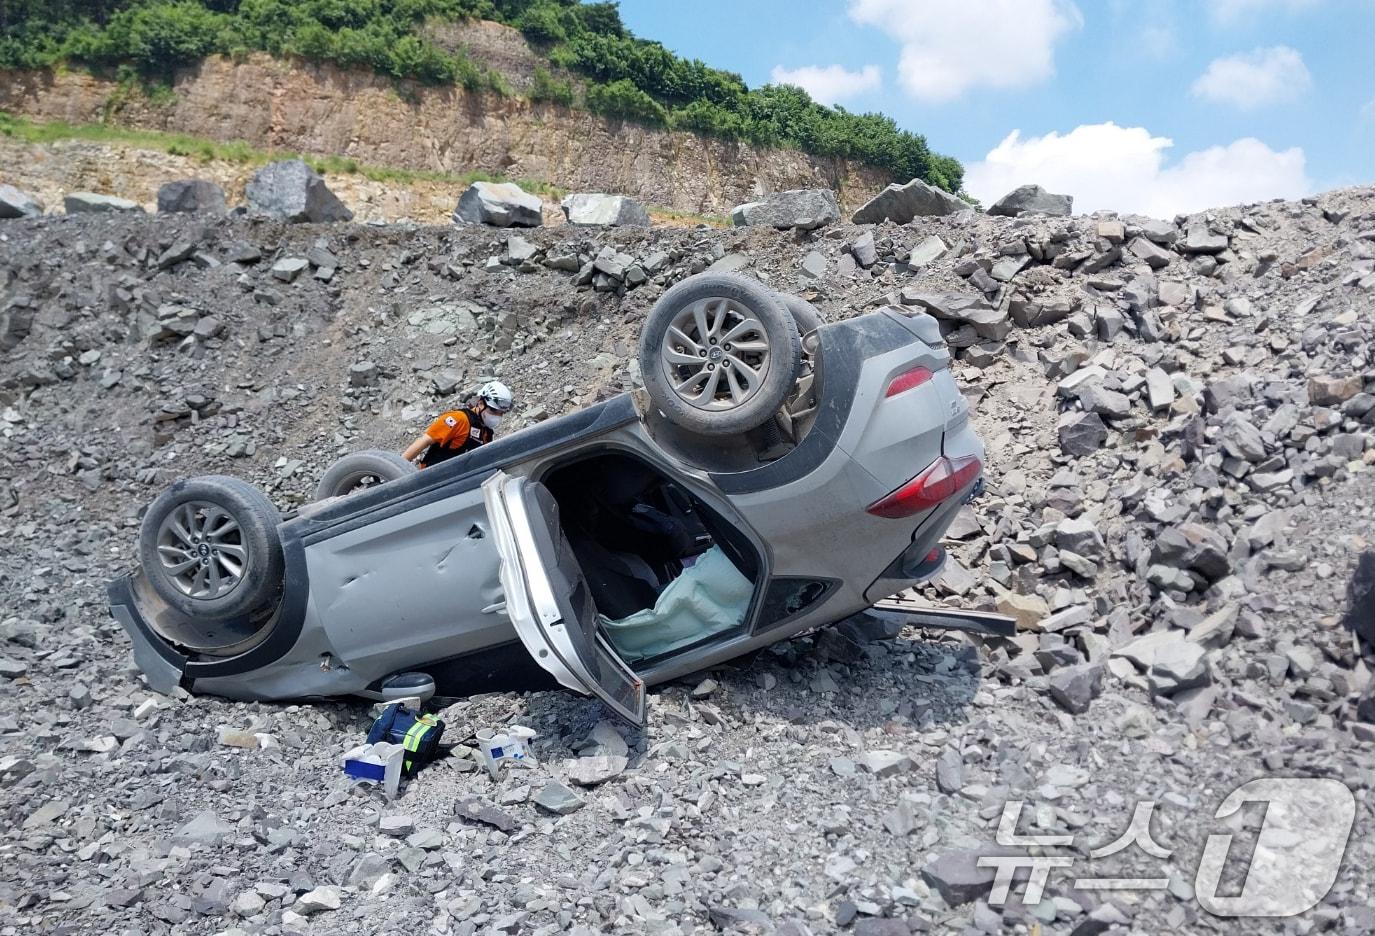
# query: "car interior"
[665,571]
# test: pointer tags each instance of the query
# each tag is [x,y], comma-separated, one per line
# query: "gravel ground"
[1179,420]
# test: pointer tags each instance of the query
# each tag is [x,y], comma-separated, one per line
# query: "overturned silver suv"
[776,473]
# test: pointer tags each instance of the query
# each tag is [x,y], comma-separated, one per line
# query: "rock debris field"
[1180,418]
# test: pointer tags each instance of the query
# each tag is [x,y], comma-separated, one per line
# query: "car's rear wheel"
[719,354]
[361,470]
[806,315]
[210,548]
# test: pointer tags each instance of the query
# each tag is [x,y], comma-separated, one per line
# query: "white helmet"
[497,395]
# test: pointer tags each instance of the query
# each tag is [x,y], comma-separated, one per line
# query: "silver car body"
[465,565]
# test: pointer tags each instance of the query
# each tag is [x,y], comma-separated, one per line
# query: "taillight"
[937,483]
[907,380]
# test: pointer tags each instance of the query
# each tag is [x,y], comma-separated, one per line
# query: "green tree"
[623,99]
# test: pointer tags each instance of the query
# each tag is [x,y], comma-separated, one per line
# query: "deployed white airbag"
[710,596]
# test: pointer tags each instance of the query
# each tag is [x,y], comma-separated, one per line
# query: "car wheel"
[719,354]
[805,314]
[362,470]
[210,548]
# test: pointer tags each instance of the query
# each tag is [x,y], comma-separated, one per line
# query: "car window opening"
[664,570]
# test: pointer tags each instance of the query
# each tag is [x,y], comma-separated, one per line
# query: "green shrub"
[623,99]
[159,36]
[542,24]
[709,118]
[545,87]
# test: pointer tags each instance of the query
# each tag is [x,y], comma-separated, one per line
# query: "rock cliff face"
[321,109]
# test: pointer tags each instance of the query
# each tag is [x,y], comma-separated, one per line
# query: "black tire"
[756,383]
[356,469]
[218,524]
[806,315]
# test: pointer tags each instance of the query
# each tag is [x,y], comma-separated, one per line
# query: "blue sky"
[1155,106]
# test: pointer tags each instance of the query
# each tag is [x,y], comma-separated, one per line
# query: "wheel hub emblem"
[715,354]
[203,549]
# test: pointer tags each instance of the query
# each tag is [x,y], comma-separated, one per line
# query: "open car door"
[548,600]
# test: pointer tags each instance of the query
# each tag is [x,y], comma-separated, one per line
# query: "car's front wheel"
[719,354]
[210,548]
[359,470]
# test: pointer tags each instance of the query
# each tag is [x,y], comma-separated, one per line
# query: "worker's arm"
[413,450]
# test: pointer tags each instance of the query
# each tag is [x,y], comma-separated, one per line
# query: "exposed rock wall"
[322,109]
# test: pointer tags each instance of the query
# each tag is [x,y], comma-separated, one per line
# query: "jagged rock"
[1160,391]
[288,268]
[91,203]
[1146,250]
[929,250]
[814,265]
[1032,199]
[958,877]
[884,763]
[864,251]
[1177,665]
[1081,434]
[500,204]
[1326,390]
[806,209]
[1074,687]
[292,191]
[363,374]
[556,798]
[18,204]
[191,196]
[205,829]
[591,771]
[1199,239]
[318,900]
[989,321]
[902,203]
[478,811]
[604,210]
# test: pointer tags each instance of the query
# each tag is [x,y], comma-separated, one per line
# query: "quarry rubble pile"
[1180,421]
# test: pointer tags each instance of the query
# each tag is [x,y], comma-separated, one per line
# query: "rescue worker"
[462,430]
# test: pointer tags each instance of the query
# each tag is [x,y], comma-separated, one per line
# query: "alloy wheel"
[715,354]
[202,550]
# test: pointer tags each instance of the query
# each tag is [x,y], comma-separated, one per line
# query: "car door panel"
[547,598]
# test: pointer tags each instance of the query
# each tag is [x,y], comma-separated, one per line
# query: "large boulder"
[91,203]
[798,208]
[191,196]
[292,191]
[1032,199]
[17,204]
[902,203]
[604,210]
[500,204]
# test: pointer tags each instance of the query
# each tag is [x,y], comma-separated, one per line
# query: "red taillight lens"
[937,483]
[907,380]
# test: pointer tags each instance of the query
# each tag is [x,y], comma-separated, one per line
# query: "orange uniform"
[454,433]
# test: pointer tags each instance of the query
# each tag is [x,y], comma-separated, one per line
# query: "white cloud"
[1254,79]
[1105,166]
[1228,12]
[1367,110]
[952,46]
[831,83]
